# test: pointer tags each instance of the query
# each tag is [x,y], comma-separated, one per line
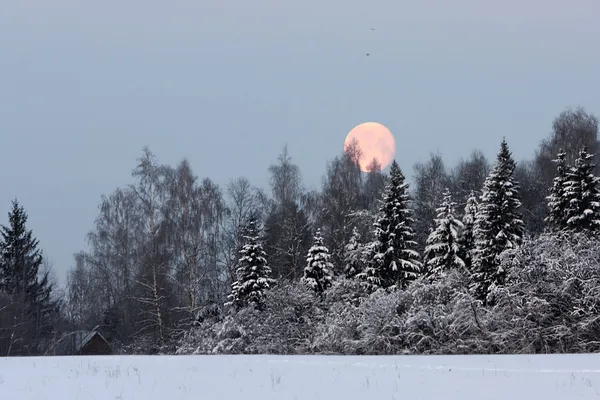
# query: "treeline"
[548,304]
[475,289]
[168,246]
[366,264]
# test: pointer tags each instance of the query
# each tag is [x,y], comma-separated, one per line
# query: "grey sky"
[85,85]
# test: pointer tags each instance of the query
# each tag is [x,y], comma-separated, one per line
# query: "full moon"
[375,142]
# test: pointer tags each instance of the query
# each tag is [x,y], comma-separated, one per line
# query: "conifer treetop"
[498,224]
[318,271]
[394,258]
[557,201]
[467,237]
[354,255]
[442,252]
[582,195]
[470,208]
[253,273]
[20,259]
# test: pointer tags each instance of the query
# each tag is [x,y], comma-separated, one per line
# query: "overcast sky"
[85,85]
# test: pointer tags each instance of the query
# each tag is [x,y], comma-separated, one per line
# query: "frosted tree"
[394,262]
[557,201]
[442,251]
[498,225]
[253,273]
[467,237]
[354,259]
[318,271]
[582,196]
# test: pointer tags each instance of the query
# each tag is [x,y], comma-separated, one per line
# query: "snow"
[548,377]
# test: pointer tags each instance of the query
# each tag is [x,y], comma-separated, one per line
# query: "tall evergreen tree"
[582,195]
[27,286]
[467,237]
[498,225]
[557,201]
[442,251]
[394,262]
[318,271]
[21,260]
[253,273]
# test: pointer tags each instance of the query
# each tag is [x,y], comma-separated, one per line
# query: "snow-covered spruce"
[581,195]
[442,252]
[252,272]
[394,261]
[557,201]
[467,237]
[354,255]
[498,225]
[318,271]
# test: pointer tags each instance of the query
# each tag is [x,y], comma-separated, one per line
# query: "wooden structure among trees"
[82,343]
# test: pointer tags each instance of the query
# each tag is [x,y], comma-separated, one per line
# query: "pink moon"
[375,141]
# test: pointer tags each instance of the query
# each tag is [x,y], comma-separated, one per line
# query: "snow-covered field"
[301,377]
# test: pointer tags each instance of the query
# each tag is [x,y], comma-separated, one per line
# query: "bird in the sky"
[368,53]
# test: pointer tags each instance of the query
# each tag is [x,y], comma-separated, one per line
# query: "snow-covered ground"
[301,377]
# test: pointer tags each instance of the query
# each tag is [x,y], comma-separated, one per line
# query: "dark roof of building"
[73,342]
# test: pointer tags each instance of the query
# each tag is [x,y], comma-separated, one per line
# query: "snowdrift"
[301,377]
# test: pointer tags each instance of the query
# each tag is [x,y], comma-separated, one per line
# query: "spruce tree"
[253,273]
[318,271]
[442,251]
[394,262]
[582,196]
[20,260]
[28,288]
[557,200]
[354,255]
[498,225]
[467,237]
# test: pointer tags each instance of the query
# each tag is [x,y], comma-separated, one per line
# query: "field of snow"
[301,377]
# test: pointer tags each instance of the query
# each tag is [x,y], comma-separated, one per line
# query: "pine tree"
[354,255]
[253,273]
[498,225]
[557,201]
[442,252]
[582,195]
[394,262]
[318,271]
[467,237]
